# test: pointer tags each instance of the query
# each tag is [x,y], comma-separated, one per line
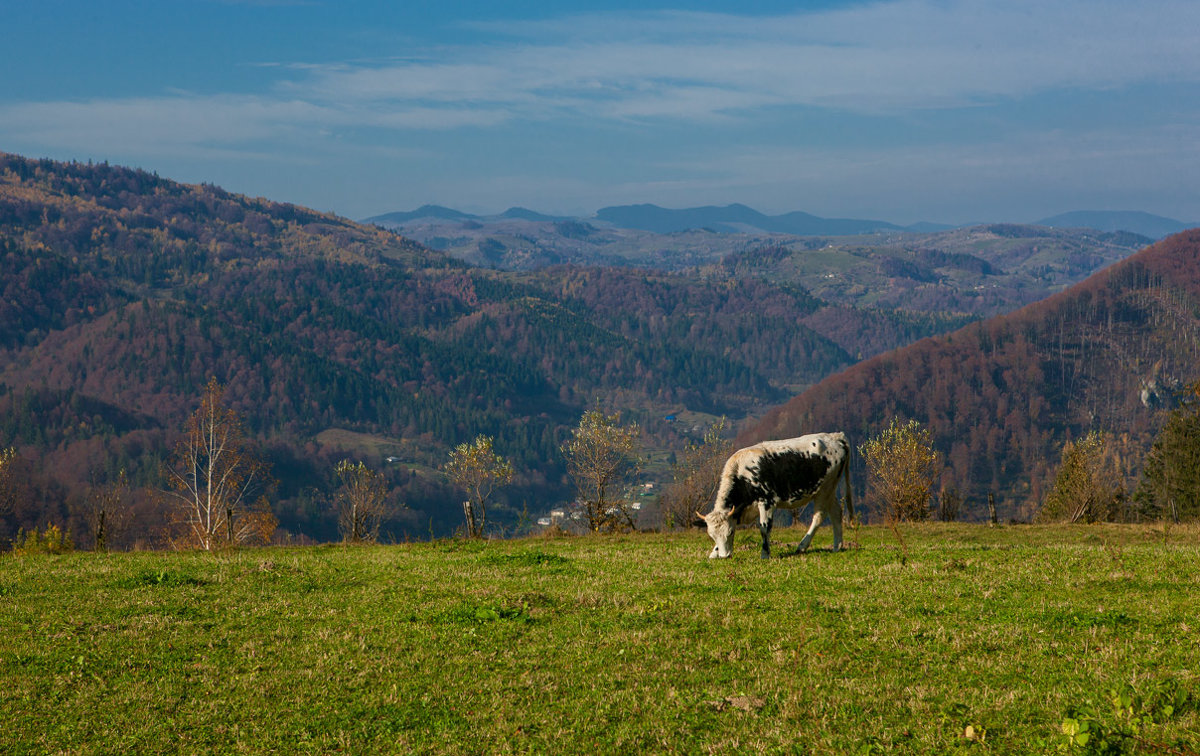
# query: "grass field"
[969,639]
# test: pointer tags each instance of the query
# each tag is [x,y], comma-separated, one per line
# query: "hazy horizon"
[902,110]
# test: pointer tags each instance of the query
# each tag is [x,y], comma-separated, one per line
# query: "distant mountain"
[1001,396]
[734,218]
[424,211]
[437,212]
[531,215]
[1153,226]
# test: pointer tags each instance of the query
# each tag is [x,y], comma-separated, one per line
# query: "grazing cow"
[781,474]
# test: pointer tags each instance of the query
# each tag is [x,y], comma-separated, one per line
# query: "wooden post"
[992,509]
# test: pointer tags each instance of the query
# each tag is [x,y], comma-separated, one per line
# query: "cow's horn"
[700,516]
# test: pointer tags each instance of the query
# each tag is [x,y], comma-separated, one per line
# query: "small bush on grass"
[53,541]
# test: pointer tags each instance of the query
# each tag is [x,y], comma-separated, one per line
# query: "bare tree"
[901,468]
[8,478]
[602,455]
[477,468]
[696,476]
[214,479]
[361,502]
[108,510]
[949,504]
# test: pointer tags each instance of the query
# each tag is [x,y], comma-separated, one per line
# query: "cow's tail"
[846,477]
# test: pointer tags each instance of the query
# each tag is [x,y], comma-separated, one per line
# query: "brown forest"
[122,294]
[1002,396]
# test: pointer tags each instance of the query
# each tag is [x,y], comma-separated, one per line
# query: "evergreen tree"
[1170,485]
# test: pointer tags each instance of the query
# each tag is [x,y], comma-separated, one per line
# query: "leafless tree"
[215,479]
[8,478]
[696,476]
[949,504]
[108,510]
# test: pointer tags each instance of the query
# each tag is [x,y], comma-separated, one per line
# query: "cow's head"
[720,529]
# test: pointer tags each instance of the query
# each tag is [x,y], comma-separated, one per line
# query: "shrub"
[53,541]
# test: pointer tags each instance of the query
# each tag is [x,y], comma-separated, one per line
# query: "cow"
[787,474]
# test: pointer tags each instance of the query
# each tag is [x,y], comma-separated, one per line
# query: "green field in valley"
[966,639]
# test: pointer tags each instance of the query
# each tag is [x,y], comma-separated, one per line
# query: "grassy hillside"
[971,639]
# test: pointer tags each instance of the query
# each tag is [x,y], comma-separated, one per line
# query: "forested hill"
[1001,396]
[122,293]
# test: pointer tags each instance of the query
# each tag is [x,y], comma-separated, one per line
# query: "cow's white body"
[788,474]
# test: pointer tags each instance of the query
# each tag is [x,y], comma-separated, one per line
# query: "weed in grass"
[468,614]
[535,558]
[160,578]
[1131,725]
[1116,553]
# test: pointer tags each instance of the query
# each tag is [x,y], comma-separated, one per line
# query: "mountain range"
[740,219]
[123,292]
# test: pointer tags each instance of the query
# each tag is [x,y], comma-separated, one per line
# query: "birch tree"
[214,478]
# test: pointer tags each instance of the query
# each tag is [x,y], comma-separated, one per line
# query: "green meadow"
[939,639]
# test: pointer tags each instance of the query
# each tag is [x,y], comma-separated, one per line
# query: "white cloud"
[448,114]
[884,57]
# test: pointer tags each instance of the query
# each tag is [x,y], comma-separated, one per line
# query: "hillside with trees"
[124,293]
[1001,397]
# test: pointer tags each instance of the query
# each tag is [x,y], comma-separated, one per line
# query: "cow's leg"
[816,523]
[835,517]
[765,520]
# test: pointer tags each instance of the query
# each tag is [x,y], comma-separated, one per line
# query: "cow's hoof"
[765,555]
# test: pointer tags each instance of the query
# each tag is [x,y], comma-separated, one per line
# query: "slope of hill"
[1001,396]
[124,292]
[1146,224]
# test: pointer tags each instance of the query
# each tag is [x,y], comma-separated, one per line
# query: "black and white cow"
[786,474]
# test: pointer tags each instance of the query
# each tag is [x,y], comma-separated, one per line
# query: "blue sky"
[902,110]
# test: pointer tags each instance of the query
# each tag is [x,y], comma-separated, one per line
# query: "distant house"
[557,515]
[544,521]
[391,460]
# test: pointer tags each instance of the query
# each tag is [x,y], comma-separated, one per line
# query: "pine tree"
[1170,485]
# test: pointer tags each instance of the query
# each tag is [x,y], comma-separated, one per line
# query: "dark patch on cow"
[781,476]
[791,475]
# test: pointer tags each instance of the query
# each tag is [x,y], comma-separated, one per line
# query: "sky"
[949,111]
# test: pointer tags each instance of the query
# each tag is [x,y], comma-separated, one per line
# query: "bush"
[53,541]
[902,466]
[1088,484]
